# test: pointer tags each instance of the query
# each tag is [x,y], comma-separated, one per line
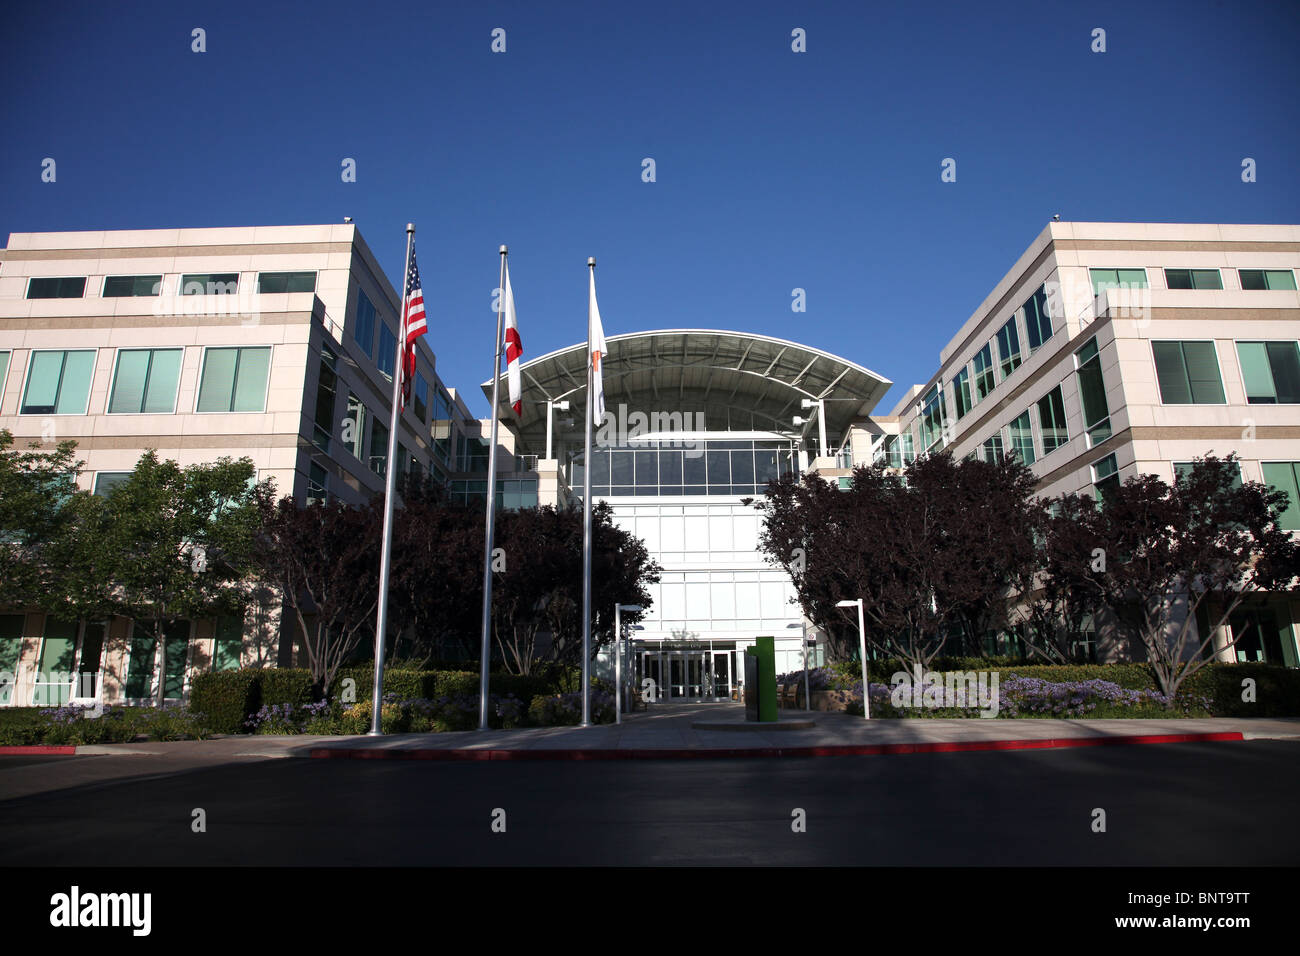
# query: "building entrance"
[686,672]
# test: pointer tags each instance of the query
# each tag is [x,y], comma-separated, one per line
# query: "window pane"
[217,283]
[1178,278]
[1133,278]
[164,377]
[42,382]
[1022,438]
[139,677]
[1282,475]
[1009,347]
[1256,374]
[228,644]
[1252,279]
[1051,420]
[961,393]
[354,432]
[387,357]
[62,288]
[218,385]
[4,367]
[983,373]
[1207,279]
[379,448]
[74,390]
[118,286]
[250,382]
[286,282]
[129,380]
[363,329]
[1284,359]
[1203,372]
[1092,390]
[106,481]
[1170,373]
[1280,279]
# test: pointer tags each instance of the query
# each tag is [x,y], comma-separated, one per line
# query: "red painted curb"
[838,750]
[63,751]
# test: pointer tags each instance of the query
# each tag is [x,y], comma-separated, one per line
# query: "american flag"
[413,322]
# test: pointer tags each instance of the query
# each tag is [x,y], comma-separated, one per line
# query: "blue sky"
[774,170]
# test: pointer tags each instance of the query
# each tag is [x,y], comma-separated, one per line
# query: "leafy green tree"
[167,544]
[39,504]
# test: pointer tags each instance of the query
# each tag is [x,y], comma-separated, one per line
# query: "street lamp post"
[618,657]
[803,635]
[862,645]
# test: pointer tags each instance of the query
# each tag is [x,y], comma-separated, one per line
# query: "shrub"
[226,698]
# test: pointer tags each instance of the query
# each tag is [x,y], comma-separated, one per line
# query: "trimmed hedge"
[228,698]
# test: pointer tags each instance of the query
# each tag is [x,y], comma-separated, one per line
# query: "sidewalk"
[666,732]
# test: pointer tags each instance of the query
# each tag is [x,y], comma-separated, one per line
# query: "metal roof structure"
[738,381]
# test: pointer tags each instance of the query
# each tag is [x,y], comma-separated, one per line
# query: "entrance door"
[722,675]
[54,670]
[86,687]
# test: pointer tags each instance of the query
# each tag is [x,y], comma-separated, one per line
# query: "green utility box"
[760,680]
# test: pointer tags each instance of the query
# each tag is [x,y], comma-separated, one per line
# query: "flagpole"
[390,486]
[486,650]
[586,528]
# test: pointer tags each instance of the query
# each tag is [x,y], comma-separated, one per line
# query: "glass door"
[85,688]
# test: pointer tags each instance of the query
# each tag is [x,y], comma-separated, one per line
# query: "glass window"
[363,328]
[73,287]
[1022,438]
[1038,321]
[421,403]
[326,387]
[1092,393]
[1267,278]
[354,427]
[1184,468]
[234,379]
[961,393]
[215,283]
[1285,476]
[227,644]
[58,383]
[11,646]
[1193,279]
[1105,477]
[1270,372]
[122,286]
[1103,279]
[146,380]
[933,418]
[54,670]
[286,282]
[1188,373]
[983,373]
[378,447]
[387,357]
[908,445]
[106,481]
[1051,421]
[4,368]
[1009,347]
[992,448]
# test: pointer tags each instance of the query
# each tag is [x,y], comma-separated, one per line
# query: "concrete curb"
[848,750]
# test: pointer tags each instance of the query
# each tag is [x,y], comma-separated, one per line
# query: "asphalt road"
[1222,804]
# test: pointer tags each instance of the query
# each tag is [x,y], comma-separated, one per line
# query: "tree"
[324,559]
[435,593]
[167,544]
[1054,600]
[930,552]
[39,505]
[1168,554]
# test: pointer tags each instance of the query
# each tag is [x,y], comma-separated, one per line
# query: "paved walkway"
[666,731]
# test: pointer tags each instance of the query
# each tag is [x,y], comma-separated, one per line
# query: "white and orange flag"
[514,349]
[598,351]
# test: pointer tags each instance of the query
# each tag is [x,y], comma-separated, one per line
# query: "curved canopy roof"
[738,381]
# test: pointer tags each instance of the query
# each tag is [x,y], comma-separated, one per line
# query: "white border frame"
[27,292]
[203,367]
[162,282]
[27,376]
[1242,376]
[1155,369]
[112,381]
